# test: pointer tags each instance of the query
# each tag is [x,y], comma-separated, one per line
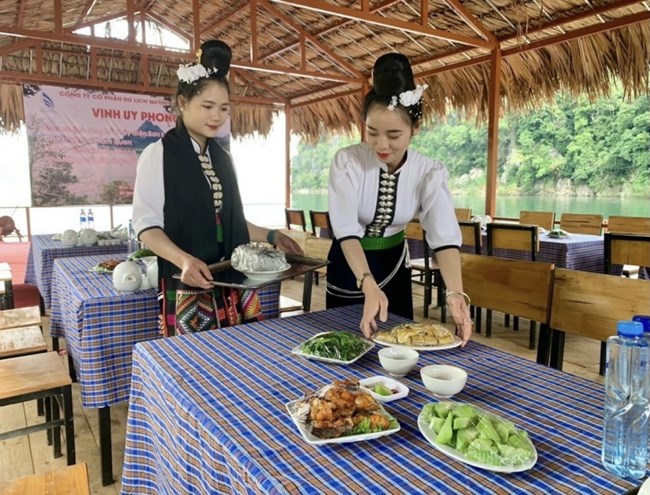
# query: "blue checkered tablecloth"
[101,326]
[207,415]
[44,250]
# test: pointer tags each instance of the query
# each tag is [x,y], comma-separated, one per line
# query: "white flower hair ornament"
[408,98]
[190,73]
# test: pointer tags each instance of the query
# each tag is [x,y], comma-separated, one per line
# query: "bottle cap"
[629,328]
[644,320]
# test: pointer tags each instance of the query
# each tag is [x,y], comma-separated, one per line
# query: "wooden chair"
[590,305]
[427,270]
[320,224]
[20,317]
[463,214]
[471,232]
[70,480]
[543,219]
[21,341]
[626,249]
[512,237]
[40,376]
[581,223]
[629,225]
[520,288]
[295,219]
[318,248]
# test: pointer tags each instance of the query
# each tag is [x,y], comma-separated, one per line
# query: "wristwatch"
[362,278]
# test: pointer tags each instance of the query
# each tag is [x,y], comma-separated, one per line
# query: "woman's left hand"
[460,313]
[287,244]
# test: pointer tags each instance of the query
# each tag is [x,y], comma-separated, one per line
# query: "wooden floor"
[26,455]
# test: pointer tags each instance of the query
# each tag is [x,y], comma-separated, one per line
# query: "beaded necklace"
[213,180]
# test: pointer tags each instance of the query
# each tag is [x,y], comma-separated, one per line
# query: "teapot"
[69,238]
[127,276]
[152,273]
[88,237]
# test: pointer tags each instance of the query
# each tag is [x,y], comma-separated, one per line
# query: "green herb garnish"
[343,346]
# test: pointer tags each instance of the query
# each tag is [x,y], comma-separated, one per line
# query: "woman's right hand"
[195,273]
[375,303]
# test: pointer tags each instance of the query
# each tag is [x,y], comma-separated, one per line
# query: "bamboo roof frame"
[312,58]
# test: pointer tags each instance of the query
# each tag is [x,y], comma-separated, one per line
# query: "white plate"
[270,275]
[100,269]
[309,438]
[645,488]
[391,383]
[430,435]
[457,341]
[299,352]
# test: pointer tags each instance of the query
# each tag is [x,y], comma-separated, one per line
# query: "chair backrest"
[626,249]
[471,232]
[463,214]
[519,288]
[318,248]
[590,304]
[581,223]
[414,231]
[513,237]
[320,224]
[295,218]
[630,225]
[544,219]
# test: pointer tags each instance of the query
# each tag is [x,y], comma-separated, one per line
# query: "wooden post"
[494,107]
[287,156]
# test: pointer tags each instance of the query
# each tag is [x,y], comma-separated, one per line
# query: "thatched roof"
[315,56]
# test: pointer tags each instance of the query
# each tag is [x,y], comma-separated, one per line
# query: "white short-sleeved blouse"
[422,192]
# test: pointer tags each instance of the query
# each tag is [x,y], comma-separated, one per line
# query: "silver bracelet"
[460,293]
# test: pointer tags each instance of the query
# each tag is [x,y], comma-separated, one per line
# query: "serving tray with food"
[106,266]
[424,336]
[476,437]
[334,347]
[341,412]
[226,274]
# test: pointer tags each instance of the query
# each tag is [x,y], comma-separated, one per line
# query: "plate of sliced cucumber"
[477,437]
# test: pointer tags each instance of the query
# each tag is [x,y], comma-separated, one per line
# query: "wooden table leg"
[105,447]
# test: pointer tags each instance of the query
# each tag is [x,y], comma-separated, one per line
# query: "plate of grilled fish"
[424,336]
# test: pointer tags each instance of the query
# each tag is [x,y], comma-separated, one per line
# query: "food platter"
[457,341]
[430,435]
[299,350]
[558,234]
[314,440]
[98,268]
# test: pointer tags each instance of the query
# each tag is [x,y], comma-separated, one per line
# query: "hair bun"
[392,75]
[215,54]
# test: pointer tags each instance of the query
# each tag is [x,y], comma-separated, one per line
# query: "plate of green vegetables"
[336,347]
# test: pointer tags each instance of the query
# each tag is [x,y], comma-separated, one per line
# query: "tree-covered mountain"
[572,147]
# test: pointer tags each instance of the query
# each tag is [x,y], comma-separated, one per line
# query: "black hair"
[391,76]
[215,56]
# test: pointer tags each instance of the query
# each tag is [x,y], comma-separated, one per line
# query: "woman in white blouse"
[375,189]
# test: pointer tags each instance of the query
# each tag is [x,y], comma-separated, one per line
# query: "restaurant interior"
[93,400]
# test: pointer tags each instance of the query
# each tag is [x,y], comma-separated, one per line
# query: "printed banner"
[84,144]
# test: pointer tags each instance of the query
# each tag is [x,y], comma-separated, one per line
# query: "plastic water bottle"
[133,240]
[83,222]
[625,426]
[91,219]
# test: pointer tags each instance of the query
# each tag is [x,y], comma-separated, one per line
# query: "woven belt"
[378,243]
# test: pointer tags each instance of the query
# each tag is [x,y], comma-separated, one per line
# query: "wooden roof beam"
[90,4]
[472,21]
[341,94]
[226,18]
[312,39]
[359,15]
[58,16]
[196,25]
[20,13]
[18,45]
[337,25]
[253,81]
[274,69]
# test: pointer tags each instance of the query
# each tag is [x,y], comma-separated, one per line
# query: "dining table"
[101,325]
[207,414]
[44,249]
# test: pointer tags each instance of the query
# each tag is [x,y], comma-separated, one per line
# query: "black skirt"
[382,263]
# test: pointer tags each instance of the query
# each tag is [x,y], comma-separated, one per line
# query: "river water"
[510,206]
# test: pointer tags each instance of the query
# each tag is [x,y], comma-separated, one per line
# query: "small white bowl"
[400,390]
[443,380]
[398,361]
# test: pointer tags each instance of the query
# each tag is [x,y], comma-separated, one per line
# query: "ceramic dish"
[430,435]
[400,389]
[457,341]
[558,234]
[100,269]
[299,350]
[270,275]
[314,440]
